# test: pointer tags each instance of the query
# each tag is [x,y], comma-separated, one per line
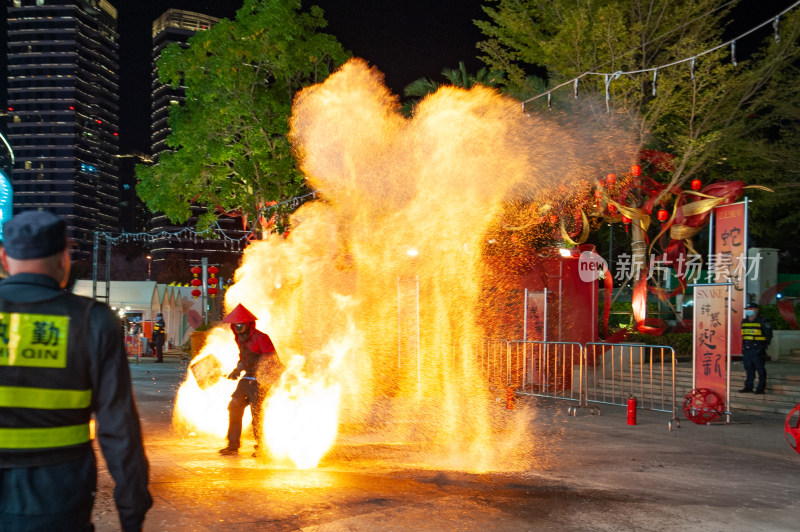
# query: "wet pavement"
[592,472]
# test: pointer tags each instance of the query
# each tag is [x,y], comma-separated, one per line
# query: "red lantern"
[636,170]
[696,184]
[196,293]
[196,282]
[212,291]
[662,215]
[611,179]
[553,218]
[212,270]
[212,280]
[612,208]
[197,270]
[598,194]
[626,221]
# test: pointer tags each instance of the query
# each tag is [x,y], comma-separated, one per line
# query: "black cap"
[34,234]
[752,305]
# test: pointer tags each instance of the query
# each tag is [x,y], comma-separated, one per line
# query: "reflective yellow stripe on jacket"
[44,398]
[752,331]
[39,438]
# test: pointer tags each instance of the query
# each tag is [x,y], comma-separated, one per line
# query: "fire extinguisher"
[631,410]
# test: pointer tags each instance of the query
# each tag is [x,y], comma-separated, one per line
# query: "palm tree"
[459,77]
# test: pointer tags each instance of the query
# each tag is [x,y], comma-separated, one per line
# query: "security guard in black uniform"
[159,336]
[62,358]
[756,336]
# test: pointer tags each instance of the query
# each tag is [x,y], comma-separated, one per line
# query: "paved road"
[590,472]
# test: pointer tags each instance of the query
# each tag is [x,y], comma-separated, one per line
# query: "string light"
[609,77]
[215,229]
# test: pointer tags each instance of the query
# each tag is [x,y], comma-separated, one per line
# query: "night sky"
[405,40]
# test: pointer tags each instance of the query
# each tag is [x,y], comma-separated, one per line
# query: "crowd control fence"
[547,369]
[590,374]
[615,372]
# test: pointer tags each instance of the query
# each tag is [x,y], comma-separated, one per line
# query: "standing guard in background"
[756,336]
[261,366]
[62,358]
[159,336]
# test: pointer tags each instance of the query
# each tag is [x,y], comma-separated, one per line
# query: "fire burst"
[376,337]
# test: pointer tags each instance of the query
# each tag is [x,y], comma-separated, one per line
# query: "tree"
[661,65]
[692,110]
[459,77]
[231,153]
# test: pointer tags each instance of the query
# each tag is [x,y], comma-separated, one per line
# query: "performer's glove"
[235,374]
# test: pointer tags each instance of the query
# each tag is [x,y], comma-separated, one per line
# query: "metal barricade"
[547,369]
[494,362]
[615,372]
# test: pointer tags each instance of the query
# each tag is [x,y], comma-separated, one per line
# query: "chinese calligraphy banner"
[729,261]
[711,337]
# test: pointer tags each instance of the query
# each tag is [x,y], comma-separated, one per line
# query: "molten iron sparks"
[377,337]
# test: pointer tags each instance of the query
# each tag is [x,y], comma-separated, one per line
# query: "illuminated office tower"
[63,108]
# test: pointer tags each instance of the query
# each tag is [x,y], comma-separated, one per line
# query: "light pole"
[149,263]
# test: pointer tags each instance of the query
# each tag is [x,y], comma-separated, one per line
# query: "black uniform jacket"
[96,367]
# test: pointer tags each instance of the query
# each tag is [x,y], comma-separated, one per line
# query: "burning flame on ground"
[375,338]
[206,410]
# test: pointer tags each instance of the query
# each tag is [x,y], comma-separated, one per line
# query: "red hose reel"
[703,406]
[792,428]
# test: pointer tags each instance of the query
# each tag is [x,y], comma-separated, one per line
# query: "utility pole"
[204,289]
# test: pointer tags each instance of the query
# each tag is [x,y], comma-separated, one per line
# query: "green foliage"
[621,314]
[699,118]
[230,137]
[459,77]
[774,318]
[680,342]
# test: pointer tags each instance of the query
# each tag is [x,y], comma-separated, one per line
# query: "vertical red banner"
[728,263]
[536,316]
[711,338]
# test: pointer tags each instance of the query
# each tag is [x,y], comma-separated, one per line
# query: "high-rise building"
[177,26]
[63,106]
[174,25]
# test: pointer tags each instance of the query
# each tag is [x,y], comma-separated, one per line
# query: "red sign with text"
[711,337]
[729,262]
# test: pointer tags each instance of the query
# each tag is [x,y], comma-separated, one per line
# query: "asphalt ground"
[591,472]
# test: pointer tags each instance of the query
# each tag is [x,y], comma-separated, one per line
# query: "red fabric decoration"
[662,161]
[786,309]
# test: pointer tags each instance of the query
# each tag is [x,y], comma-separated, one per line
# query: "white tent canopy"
[147,298]
[131,296]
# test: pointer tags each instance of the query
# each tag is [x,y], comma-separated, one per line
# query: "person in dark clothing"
[261,366]
[756,336]
[159,336]
[62,358]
